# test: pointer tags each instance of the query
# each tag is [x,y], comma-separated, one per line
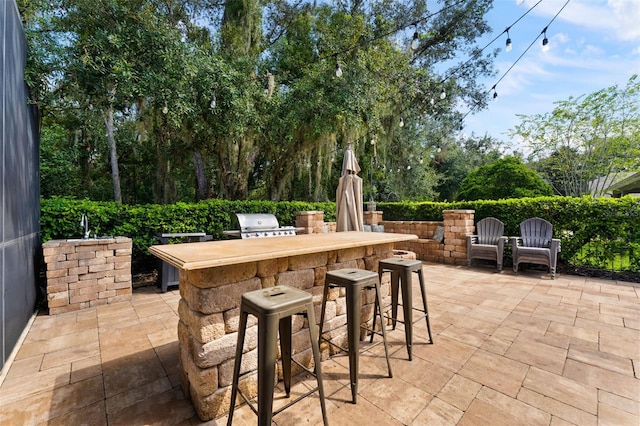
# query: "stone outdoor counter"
[87,273]
[213,277]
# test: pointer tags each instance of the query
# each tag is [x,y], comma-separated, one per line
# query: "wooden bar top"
[190,256]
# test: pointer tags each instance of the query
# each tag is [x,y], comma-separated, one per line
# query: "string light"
[479,51]
[338,70]
[545,47]
[165,108]
[508,45]
[401,123]
[443,94]
[213,103]
[545,41]
[415,43]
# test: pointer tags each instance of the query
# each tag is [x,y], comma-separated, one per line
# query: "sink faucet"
[84,221]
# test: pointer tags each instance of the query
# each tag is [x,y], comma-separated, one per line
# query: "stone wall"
[209,316]
[457,224]
[86,273]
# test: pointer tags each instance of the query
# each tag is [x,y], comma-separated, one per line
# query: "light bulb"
[415,43]
[408,166]
[495,95]
[401,123]
[443,94]
[509,46]
[421,160]
[212,105]
[432,101]
[545,44]
[338,70]
[373,141]
[165,109]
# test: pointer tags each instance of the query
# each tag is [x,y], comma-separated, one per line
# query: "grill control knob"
[257,235]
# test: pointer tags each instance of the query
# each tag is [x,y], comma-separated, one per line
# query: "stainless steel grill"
[259,225]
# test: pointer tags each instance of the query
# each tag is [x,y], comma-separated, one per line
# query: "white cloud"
[618,19]
[627,13]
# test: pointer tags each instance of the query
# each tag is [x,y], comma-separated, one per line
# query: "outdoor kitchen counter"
[213,277]
[232,252]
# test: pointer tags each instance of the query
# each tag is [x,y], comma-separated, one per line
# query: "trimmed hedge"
[613,222]
[60,219]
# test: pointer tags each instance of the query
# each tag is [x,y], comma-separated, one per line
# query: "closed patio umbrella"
[349,195]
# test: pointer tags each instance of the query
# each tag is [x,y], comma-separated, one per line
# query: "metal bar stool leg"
[407,308]
[285,350]
[315,348]
[424,303]
[267,341]
[325,294]
[384,333]
[353,336]
[395,285]
[236,368]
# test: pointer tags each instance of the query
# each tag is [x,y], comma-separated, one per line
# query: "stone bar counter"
[213,277]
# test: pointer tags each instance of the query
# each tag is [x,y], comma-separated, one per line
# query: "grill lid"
[248,222]
[259,225]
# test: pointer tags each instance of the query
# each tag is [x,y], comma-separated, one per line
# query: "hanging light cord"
[493,88]
[393,31]
[455,71]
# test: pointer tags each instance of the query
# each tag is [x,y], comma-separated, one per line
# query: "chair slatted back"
[536,232]
[489,230]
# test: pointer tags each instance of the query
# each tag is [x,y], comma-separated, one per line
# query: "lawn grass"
[606,255]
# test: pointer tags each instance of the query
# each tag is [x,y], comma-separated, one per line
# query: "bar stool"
[401,270]
[274,307]
[354,281]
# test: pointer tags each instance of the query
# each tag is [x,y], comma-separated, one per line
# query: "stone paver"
[508,350]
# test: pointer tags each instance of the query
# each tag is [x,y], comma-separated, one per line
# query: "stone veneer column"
[312,222]
[86,273]
[209,315]
[457,225]
[372,217]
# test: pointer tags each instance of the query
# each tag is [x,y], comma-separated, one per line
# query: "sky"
[593,45]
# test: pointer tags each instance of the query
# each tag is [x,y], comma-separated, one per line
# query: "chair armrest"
[471,239]
[555,244]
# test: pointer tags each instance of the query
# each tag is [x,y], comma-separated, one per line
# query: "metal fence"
[19,196]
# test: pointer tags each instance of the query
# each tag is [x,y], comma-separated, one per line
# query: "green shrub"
[612,224]
[60,219]
[506,178]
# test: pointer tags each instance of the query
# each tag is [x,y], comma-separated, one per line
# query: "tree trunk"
[202,185]
[165,187]
[113,153]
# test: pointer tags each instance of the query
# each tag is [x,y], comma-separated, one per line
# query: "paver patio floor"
[508,350]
